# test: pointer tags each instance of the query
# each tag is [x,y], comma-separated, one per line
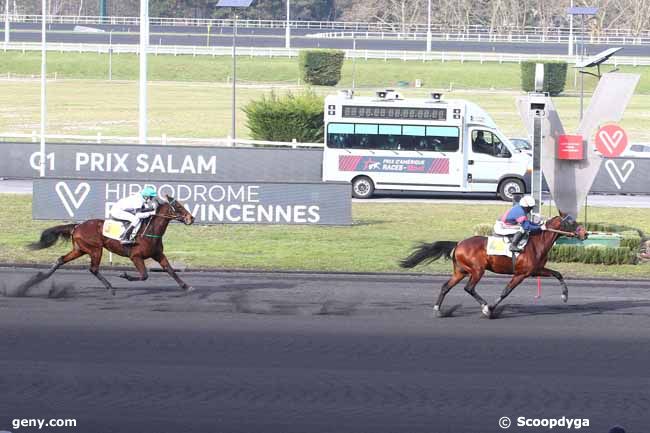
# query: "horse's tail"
[427,253]
[50,236]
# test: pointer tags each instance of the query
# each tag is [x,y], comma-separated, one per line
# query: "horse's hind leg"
[470,288]
[138,262]
[42,276]
[95,261]
[455,279]
[545,272]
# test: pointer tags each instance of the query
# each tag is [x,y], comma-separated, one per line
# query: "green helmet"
[148,192]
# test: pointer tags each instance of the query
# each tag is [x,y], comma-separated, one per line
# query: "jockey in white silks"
[134,209]
[516,221]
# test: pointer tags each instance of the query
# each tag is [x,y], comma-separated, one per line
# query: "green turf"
[369,73]
[381,234]
[202,110]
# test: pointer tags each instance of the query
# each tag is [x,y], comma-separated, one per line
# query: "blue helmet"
[148,192]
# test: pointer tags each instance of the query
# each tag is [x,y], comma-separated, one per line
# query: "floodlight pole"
[287,34]
[582,76]
[144,43]
[110,55]
[7,22]
[354,62]
[570,53]
[43,85]
[429,27]
[234,81]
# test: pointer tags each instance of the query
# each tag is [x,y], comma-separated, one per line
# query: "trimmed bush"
[283,118]
[554,77]
[593,255]
[321,67]
[483,229]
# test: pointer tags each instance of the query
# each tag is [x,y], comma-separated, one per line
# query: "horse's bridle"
[175,215]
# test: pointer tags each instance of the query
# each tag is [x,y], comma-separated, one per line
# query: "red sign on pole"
[570,147]
[611,140]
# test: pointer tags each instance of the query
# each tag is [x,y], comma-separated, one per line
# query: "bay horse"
[87,238]
[470,258]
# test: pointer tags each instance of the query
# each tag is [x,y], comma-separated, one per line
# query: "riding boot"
[514,242]
[126,237]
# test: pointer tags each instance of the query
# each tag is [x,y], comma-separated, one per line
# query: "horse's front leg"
[167,267]
[545,272]
[140,267]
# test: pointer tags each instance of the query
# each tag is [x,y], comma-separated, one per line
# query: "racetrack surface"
[301,38]
[298,352]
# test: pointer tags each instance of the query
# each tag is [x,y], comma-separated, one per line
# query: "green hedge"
[321,67]
[283,118]
[554,77]
[593,255]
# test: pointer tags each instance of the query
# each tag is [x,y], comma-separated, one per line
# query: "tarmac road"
[293,352]
[301,38]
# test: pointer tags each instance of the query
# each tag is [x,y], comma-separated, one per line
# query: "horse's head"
[177,210]
[566,223]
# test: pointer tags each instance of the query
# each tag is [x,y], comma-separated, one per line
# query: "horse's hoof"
[565,298]
[113,292]
[485,309]
[124,275]
[189,289]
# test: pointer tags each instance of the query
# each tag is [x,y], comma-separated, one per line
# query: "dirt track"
[253,352]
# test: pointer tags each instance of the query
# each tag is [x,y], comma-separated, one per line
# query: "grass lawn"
[382,234]
[369,73]
[202,110]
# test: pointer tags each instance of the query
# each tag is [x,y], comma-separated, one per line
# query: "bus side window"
[443,138]
[340,135]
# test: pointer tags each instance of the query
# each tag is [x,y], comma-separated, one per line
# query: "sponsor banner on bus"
[378,164]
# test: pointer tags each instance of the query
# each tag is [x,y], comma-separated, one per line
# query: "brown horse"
[470,258]
[87,238]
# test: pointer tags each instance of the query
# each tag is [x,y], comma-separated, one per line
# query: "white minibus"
[388,142]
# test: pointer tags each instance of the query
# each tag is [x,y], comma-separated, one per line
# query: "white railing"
[549,32]
[163,139]
[385,55]
[558,38]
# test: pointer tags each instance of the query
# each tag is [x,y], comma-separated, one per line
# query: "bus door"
[488,161]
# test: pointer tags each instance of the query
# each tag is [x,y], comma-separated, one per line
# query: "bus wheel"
[362,187]
[509,187]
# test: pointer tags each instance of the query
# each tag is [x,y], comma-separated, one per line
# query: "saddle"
[499,243]
[500,246]
[114,228]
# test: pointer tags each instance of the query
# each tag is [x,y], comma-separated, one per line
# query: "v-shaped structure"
[570,181]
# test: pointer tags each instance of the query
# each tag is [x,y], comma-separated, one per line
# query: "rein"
[562,232]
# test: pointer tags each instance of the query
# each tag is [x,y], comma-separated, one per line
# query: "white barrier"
[164,139]
[284,52]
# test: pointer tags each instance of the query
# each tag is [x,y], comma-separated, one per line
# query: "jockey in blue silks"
[519,215]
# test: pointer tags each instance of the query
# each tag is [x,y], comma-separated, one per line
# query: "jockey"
[519,216]
[133,209]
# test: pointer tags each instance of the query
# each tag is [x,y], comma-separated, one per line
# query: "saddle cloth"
[114,229]
[500,246]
